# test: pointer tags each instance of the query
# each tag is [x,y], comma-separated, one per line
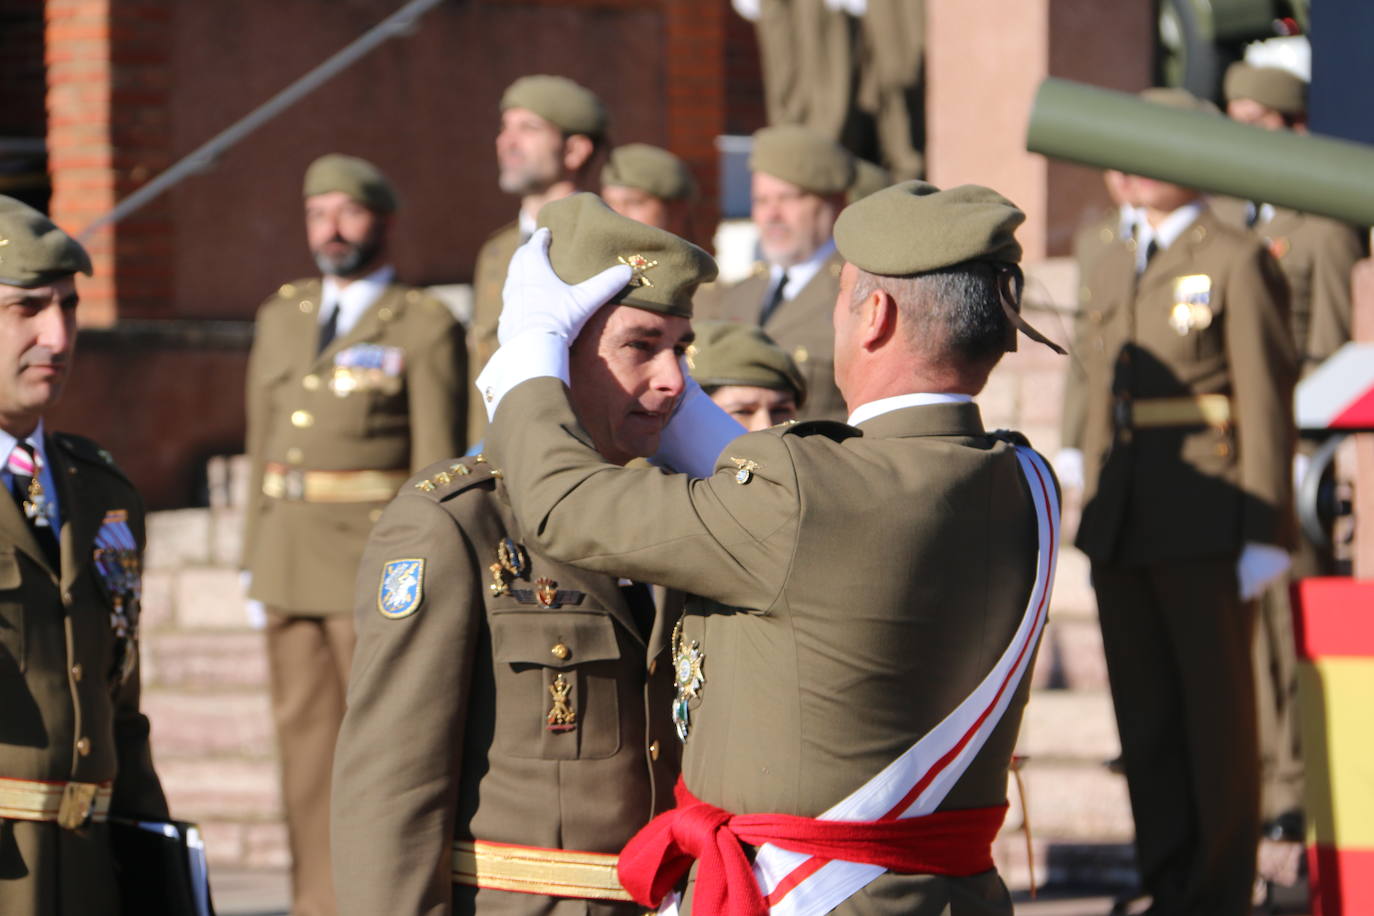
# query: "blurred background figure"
[868,178]
[748,375]
[651,185]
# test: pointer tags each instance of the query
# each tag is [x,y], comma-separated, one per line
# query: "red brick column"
[108,71]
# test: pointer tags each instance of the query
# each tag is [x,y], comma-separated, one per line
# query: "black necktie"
[328,329]
[31,501]
[774,300]
[1151,250]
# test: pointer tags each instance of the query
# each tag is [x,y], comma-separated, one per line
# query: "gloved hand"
[252,608]
[1258,566]
[696,434]
[1068,467]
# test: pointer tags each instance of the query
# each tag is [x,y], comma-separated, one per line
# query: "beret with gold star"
[358,178]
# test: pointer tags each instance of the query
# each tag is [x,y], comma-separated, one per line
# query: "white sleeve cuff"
[533,354]
[696,434]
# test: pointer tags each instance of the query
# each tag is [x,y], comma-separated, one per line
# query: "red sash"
[955,843]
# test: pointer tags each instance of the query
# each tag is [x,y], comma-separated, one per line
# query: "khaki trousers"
[1177,639]
[309,658]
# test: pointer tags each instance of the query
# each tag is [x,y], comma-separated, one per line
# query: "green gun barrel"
[1116,130]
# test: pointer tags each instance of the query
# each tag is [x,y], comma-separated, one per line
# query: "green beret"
[1272,87]
[572,108]
[33,251]
[589,237]
[914,227]
[805,157]
[358,178]
[1171,97]
[650,169]
[734,353]
[869,178]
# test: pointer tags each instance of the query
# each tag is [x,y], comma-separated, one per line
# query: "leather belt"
[1190,410]
[282,482]
[534,870]
[71,804]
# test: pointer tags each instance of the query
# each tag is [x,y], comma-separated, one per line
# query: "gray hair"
[950,315]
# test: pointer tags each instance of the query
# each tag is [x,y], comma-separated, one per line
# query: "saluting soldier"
[799,183]
[867,596]
[551,130]
[354,381]
[1187,447]
[746,374]
[651,185]
[507,727]
[73,743]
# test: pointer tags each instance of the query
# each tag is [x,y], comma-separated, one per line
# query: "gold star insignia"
[639,264]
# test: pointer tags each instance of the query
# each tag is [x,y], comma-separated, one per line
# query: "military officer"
[651,185]
[73,743]
[855,584]
[1187,445]
[799,183]
[747,375]
[507,726]
[354,381]
[551,130]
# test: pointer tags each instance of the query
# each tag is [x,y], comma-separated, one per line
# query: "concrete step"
[199,660]
[1069,726]
[203,725]
[1071,801]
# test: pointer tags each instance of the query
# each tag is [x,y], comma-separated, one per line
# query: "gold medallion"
[688,677]
[546,591]
[561,717]
[639,264]
[747,467]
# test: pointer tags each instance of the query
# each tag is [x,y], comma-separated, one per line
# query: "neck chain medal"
[687,660]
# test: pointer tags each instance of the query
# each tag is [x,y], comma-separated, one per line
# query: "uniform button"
[1223,449]
[560,651]
[385,314]
[311,382]
[294,455]
[653,750]
[83,747]
[67,598]
[801,354]
[77,671]
[302,419]
[306,306]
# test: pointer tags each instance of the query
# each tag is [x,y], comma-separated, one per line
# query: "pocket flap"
[552,640]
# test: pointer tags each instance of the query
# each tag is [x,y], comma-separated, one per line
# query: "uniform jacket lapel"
[605,591]
[82,512]
[817,295]
[16,530]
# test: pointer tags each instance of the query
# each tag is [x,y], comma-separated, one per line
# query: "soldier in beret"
[73,744]
[649,184]
[895,565]
[747,375]
[1187,447]
[354,381]
[507,727]
[799,183]
[551,130]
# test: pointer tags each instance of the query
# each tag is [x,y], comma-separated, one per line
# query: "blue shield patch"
[402,588]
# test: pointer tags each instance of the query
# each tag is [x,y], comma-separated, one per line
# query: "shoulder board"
[423,301]
[449,478]
[1010,436]
[310,286]
[831,429]
[86,450]
[758,268]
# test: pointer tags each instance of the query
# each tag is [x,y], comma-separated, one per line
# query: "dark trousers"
[1178,645]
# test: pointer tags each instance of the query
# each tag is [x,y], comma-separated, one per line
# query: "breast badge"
[1192,309]
[746,470]
[511,562]
[402,588]
[688,677]
[367,367]
[561,717]
[120,569]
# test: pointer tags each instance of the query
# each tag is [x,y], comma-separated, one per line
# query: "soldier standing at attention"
[507,728]
[799,183]
[73,744]
[354,381]
[747,375]
[651,185]
[1187,445]
[801,615]
[551,129]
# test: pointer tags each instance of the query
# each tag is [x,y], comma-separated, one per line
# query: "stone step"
[199,660]
[193,537]
[194,597]
[1071,801]
[221,789]
[1069,725]
[1105,867]
[202,725]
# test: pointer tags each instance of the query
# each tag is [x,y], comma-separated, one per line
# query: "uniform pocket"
[11,608]
[556,684]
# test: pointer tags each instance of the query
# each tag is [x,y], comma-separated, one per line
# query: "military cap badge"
[402,588]
[638,264]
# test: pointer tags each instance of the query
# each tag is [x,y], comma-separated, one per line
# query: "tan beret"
[734,353]
[1171,97]
[650,169]
[572,108]
[358,178]
[869,178]
[914,227]
[1272,87]
[589,237]
[805,157]
[33,251]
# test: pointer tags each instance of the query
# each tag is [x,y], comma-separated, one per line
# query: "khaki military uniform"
[68,717]
[449,735]
[1187,447]
[803,326]
[330,438]
[1089,244]
[488,279]
[836,624]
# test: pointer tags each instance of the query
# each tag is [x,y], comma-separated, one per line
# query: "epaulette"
[297,288]
[831,429]
[1011,437]
[449,478]
[86,450]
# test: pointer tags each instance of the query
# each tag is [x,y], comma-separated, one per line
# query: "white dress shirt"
[354,299]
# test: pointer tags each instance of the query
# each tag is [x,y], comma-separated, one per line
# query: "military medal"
[546,591]
[746,470]
[687,661]
[561,717]
[1192,309]
[119,568]
[511,562]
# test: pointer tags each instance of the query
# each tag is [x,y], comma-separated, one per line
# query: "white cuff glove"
[1258,566]
[534,299]
[533,354]
[696,433]
[1068,466]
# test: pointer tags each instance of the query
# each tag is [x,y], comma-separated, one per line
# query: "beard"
[352,260]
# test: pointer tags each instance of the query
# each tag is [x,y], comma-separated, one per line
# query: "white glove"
[253,609]
[696,433]
[1068,466]
[534,299]
[1258,566]
[1300,465]
[749,9]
